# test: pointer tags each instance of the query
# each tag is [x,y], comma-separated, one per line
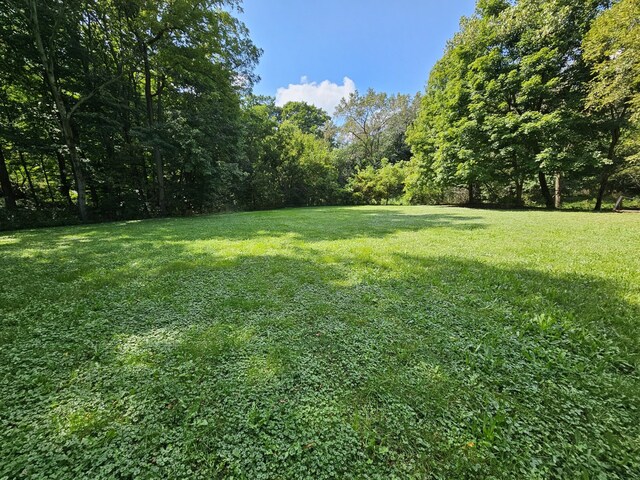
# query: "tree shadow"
[306,224]
[131,357]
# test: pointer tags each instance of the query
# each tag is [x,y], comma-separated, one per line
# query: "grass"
[369,342]
[608,203]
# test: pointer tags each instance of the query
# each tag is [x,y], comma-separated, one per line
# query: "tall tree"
[66,105]
[612,48]
[506,100]
[123,95]
[372,123]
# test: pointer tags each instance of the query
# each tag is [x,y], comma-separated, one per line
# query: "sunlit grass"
[415,342]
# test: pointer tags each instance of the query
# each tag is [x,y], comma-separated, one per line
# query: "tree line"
[535,98]
[140,108]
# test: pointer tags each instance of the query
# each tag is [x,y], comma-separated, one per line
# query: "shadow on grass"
[106,255]
[134,357]
[307,224]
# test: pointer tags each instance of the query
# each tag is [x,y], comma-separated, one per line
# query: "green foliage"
[308,118]
[287,166]
[139,108]
[419,189]
[505,105]
[368,342]
[612,47]
[305,172]
[374,124]
[377,186]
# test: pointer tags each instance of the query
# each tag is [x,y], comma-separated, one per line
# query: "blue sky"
[321,50]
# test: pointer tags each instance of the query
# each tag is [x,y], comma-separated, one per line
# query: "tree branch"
[91,95]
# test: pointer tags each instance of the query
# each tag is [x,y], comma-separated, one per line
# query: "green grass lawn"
[373,342]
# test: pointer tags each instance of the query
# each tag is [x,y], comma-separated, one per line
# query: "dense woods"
[122,108]
[130,109]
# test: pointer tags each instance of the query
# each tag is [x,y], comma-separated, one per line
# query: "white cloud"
[325,95]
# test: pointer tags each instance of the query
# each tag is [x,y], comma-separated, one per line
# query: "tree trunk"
[77,172]
[604,180]
[558,192]
[519,188]
[144,185]
[157,158]
[29,181]
[546,193]
[46,179]
[94,195]
[472,199]
[157,155]
[5,183]
[65,187]
[63,114]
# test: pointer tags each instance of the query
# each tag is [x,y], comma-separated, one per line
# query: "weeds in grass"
[400,342]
